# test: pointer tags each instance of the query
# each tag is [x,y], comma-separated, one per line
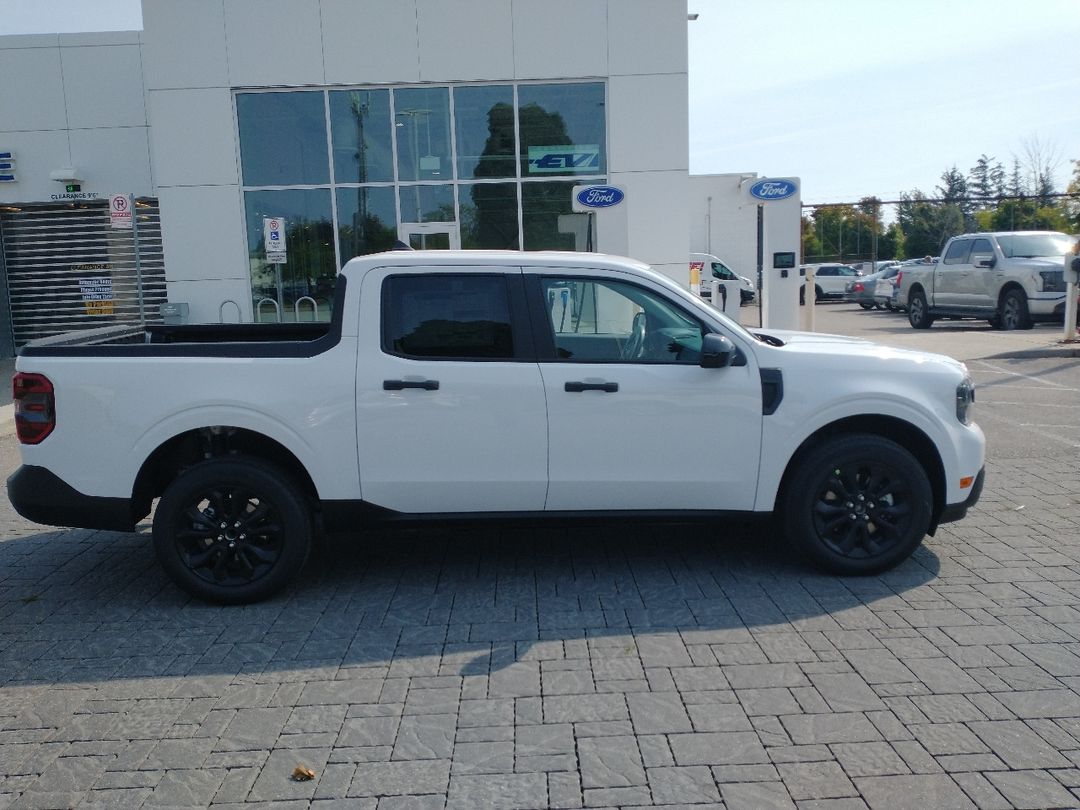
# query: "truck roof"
[491,258]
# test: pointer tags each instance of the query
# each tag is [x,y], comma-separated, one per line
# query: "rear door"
[635,422]
[953,282]
[449,400]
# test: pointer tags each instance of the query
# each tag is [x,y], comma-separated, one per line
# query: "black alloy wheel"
[232,530]
[1014,311]
[858,504]
[918,312]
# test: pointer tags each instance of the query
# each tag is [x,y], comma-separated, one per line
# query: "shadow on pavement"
[79,606]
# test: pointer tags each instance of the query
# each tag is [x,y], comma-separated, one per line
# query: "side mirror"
[983,261]
[717,351]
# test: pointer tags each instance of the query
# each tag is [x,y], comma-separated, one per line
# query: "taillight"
[35,407]
[896,280]
[858,287]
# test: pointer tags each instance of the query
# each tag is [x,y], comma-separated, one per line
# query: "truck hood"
[850,349]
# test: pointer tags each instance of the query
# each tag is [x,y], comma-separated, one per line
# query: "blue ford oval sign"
[773,189]
[600,196]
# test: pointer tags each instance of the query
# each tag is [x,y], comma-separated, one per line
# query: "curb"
[1039,353]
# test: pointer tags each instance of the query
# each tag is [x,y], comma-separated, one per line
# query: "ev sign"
[274,239]
[120,211]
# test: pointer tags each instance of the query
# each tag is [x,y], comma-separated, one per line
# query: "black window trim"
[520,333]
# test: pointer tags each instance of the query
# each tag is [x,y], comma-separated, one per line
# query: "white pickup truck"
[1010,279]
[495,385]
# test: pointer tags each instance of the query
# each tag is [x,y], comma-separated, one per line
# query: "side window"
[721,271]
[826,271]
[958,252]
[447,317]
[982,246]
[600,321]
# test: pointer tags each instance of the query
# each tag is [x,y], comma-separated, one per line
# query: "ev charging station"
[779,220]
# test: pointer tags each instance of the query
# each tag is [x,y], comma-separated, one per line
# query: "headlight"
[1052,280]
[965,400]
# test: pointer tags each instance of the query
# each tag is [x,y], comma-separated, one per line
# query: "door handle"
[398,385]
[577,387]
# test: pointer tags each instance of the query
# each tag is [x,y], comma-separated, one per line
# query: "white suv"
[830,280]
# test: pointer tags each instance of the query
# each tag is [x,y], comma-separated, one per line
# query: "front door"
[430,235]
[450,410]
[635,421]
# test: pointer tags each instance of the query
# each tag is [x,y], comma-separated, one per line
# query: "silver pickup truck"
[1010,279]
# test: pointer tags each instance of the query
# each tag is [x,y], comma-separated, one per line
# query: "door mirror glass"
[983,261]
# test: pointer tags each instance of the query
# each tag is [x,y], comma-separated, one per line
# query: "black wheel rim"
[862,510]
[916,309]
[229,536]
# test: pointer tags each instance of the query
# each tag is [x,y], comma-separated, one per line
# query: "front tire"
[918,312]
[232,530]
[1013,312]
[857,504]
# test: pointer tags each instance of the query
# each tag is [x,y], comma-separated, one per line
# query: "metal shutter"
[67,269]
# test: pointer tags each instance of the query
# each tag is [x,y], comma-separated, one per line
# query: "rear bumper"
[40,496]
[956,511]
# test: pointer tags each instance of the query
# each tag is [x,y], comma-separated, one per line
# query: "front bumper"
[956,511]
[40,496]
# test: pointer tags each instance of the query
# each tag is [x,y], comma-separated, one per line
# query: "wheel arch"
[903,433]
[1006,288]
[188,448]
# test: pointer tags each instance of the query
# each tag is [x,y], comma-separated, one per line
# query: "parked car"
[480,385]
[1011,279]
[861,290]
[884,293]
[711,267]
[830,280]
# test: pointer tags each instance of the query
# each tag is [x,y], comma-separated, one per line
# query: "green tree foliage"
[927,226]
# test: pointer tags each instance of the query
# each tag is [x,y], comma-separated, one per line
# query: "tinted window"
[826,271]
[485,131]
[422,124]
[282,139]
[562,129]
[958,252]
[447,317]
[982,246]
[360,125]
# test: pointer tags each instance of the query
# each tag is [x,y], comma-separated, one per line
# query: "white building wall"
[724,220]
[74,100]
[197,52]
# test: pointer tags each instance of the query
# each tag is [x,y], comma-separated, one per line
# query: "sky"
[855,97]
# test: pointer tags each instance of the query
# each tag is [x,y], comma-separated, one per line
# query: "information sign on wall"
[96,291]
[578,158]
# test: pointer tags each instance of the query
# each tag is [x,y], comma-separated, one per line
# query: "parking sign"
[274,239]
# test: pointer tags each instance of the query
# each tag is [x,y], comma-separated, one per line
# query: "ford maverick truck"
[487,385]
[1009,279]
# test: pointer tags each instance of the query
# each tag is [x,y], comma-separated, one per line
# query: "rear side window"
[958,252]
[449,317]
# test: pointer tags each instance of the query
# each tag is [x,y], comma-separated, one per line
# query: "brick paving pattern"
[619,666]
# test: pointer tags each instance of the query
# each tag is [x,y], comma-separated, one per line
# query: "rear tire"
[232,530]
[857,504]
[918,312]
[868,306]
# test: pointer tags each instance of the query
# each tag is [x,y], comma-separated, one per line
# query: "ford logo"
[600,196]
[773,189]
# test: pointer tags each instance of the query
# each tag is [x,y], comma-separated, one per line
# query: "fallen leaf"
[302,773]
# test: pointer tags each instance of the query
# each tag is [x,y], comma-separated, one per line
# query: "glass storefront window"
[541,205]
[422,124]
[367,221]
[309,241]
[427,203]
[282,138]
[562,129]
[361,131]
[484,125]
[489,216]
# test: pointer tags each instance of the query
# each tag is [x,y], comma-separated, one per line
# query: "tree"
[986,179]
[954,191]
[927,226]
[1072,204]
[1040,159]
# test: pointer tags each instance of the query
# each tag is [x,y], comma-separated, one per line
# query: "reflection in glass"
[360,128]
[282,138]
[422,124]
[489,216]
[427,203]
[484,121]
[562,129]
[429,241]
[309,241]
[367,221]
[541,204]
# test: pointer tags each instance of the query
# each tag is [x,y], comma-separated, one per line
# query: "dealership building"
[346,126]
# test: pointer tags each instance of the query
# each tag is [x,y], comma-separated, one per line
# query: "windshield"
[1031,245]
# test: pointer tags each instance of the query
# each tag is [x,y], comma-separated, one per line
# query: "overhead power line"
[1002,198]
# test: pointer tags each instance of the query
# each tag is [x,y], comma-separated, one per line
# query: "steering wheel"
[635,344]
